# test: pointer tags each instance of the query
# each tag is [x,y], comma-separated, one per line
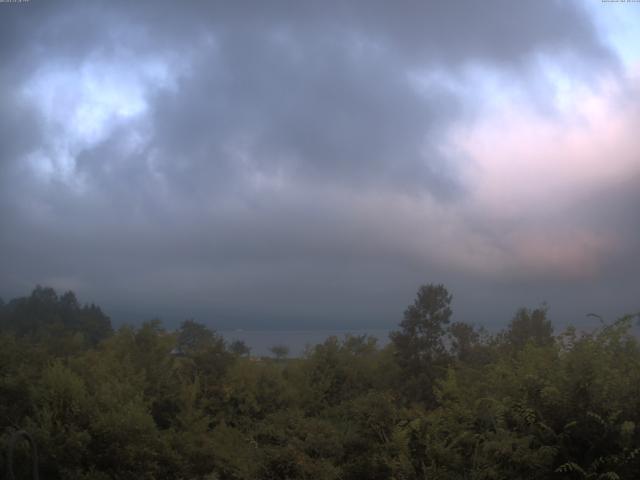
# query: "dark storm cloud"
[322,87]
[242,185]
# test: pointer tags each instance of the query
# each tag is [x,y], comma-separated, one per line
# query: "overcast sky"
[310,164]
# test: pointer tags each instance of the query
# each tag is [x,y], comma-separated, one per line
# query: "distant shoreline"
[260,341]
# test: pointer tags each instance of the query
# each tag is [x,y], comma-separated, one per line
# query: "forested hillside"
[443,400]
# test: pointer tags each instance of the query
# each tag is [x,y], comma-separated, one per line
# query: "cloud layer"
[313,164]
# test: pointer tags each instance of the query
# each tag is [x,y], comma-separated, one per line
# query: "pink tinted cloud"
[532,174]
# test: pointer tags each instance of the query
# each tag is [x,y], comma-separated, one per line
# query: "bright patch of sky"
[619,25]
[82,105]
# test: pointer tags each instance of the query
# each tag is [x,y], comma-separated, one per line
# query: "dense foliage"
[442,401]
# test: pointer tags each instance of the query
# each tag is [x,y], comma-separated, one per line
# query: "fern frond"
[571,467]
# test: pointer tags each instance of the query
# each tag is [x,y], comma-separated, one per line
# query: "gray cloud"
[277,158]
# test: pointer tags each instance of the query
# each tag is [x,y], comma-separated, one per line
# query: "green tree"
[530,326]
[44,316]
[419,344]
[468,344]
[239,348]
[280,351]
[194,337]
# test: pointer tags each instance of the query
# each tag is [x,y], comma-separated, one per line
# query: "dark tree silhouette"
[420,349]
[240,348]
[280,351]
[530,326]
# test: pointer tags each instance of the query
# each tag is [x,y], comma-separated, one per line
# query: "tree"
[530,326]
[239,348]
[194,337]
[93,323]
[420,350]
[280,351]
[207,352]
[44,315]
[464,340]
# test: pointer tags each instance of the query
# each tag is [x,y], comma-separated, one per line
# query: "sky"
[293,164]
